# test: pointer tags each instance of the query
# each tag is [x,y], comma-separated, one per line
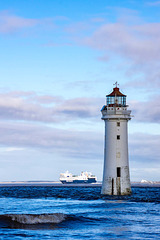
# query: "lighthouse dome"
[116,98]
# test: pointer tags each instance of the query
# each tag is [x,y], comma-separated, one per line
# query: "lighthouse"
[116,177]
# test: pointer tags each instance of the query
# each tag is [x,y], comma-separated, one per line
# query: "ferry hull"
[79,181]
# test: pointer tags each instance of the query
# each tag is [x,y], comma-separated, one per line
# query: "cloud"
[11,23]
[49,109]
[143,148]
[147,111]
[81,107]
[136,43]
[10,149]
[144,156]
[75,144]
[46,99]
[28,106]
[132,45]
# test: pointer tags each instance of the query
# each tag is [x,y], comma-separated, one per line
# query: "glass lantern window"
[119,100]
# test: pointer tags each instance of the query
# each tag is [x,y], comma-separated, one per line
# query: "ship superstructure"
[84,177]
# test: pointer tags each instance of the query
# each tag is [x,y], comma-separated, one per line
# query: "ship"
[84,177]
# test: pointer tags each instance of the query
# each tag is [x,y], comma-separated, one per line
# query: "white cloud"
[75,144]
[10,149]
[30,107]
[136,42]
[27,106]
[147,111]
[145,147]
[132,45]
[11,23]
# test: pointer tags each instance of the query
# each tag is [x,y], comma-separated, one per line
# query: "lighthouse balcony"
[115,110]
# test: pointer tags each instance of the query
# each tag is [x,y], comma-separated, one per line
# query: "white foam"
[37,218]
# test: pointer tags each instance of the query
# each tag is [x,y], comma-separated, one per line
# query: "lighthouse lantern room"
[116,177]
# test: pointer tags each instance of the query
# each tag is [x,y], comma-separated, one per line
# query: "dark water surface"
[78,213]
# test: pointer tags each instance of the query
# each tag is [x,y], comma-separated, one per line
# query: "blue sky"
[58,61]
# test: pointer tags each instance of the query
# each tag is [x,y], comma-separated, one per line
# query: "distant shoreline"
[59,184]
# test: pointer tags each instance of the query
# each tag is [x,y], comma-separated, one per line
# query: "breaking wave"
[29,219]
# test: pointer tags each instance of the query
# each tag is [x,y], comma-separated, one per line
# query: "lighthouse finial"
[116,83]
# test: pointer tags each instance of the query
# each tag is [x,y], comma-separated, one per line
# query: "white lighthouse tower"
[116,178]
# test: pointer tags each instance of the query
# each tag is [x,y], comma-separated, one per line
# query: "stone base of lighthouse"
[116,186]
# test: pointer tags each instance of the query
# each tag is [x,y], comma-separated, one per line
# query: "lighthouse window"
[118,137]
[118,172]
[118,155]
[118,124]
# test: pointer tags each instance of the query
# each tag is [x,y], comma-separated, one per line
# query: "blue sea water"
[78,213]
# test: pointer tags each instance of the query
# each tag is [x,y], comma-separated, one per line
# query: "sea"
[78,212]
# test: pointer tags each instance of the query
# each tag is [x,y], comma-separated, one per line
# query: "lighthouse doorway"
[118,172]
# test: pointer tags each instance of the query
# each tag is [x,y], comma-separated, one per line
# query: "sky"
[58,61]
